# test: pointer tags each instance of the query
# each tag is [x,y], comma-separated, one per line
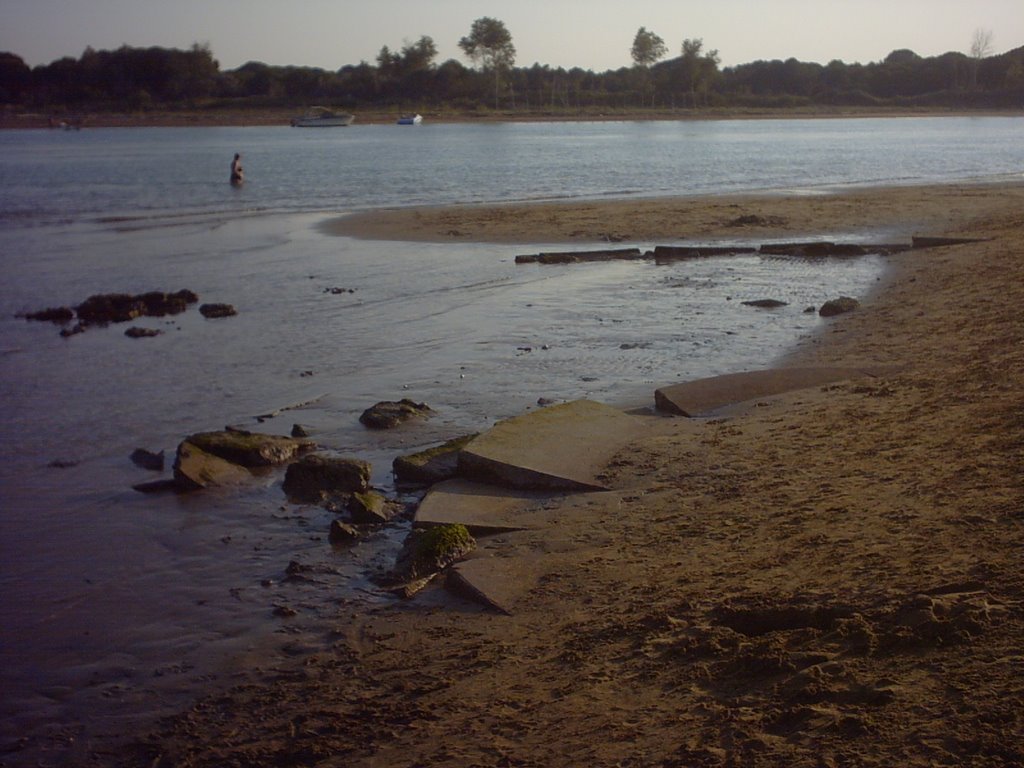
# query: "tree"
[647,48]
[489,44]
[981,47]
[698,69]
[15,78]
[419,55]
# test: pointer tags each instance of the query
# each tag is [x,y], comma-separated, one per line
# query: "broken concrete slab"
[496,582]
[664,254]
[937,242]
[561,447]
[195,468]
[572,257]
[704,396]
[482,508]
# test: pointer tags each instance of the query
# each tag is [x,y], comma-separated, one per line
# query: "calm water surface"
[118,605]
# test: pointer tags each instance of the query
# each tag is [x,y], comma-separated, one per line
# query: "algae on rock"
[429,550]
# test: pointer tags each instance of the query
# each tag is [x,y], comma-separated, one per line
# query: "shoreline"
[10,119]
[829,578]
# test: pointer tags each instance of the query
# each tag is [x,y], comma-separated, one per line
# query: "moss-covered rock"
[250,449]
[431,466]
[427,551]
[369,508]
[316,477]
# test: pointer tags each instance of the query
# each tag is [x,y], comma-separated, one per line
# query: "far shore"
[12,118]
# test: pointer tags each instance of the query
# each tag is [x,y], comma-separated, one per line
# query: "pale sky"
[592,34]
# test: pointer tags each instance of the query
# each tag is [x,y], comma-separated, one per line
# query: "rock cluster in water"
[102,309]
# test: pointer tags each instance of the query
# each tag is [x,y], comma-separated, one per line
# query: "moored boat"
[322,117]
[410,120]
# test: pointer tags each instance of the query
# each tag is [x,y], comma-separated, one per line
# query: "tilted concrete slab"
[483,508]
[497,582]
[703,396]
[561,447]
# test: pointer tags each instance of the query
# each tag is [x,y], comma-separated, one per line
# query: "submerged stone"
[211,311]
[148,460]
[388,413]
[250,449]
[58,315]
[135,332]
[195,468]
[316,477]
[838,306]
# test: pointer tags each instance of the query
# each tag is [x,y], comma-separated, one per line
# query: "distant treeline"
[140,79]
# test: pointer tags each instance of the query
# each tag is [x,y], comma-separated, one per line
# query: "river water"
[119,605]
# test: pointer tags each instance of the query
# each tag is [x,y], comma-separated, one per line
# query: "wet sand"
[881,212]
[830,578]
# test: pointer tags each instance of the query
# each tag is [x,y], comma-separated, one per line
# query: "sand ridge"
[830,578]
[890,211]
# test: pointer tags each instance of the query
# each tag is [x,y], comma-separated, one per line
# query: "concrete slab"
[482,508]
[703,396]
[496,582]
[561,447]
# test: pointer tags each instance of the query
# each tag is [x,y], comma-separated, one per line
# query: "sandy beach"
[827,578]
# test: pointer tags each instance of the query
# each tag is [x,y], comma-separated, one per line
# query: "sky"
[592,34]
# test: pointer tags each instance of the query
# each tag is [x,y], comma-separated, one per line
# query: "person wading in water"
[236,170]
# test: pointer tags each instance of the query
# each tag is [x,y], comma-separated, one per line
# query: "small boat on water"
[322,117]
[410,120]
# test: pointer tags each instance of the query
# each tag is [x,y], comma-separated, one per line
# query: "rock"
[765,303]
[135,332]
[105,308]
[76,328]
[58,315]
[315,477]
[158,304]
[165,485]
[250,449]
[212,311]
[342,533]
[300,431]
[838,306]
[368,508]
[427,551]
[148,460]
[431,466]
[388,414]
[195,468]
[753,220]
[572,257]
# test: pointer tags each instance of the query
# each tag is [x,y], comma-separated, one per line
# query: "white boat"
[322,117]
[410,120]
